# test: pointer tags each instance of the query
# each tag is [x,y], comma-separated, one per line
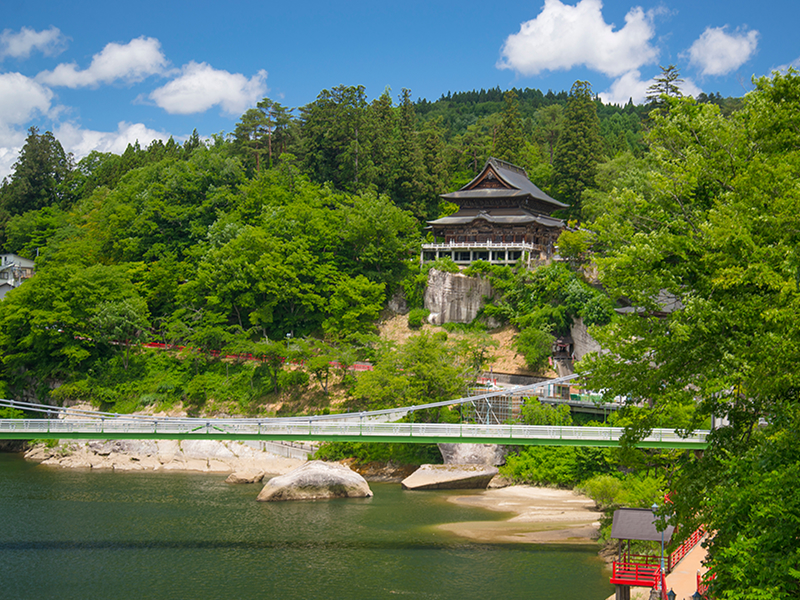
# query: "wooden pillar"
[623,592]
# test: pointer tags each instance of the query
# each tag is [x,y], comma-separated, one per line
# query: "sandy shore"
[541,515]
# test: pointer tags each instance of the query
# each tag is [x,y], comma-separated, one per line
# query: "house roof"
[519,186]
[638,524]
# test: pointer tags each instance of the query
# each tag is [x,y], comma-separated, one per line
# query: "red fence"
[702,586]
[685,547]
[635,573]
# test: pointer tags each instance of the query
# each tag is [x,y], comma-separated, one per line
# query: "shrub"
[417,317]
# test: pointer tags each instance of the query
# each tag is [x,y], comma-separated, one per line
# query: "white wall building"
[14,270]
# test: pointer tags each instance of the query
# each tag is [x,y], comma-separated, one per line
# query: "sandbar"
[540,516]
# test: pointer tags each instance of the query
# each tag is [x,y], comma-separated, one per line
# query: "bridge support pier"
[623,592]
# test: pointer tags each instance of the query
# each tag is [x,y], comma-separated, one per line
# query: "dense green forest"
[284,239]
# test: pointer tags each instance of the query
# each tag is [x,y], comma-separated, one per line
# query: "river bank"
[203,456]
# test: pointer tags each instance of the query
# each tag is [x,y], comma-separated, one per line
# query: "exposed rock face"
[247,476]
[473,454]
[450,477]
[207,456]
[316,480]
[583,343]
[454,298]
[380,471]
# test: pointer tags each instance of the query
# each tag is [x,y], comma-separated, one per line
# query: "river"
[102,535]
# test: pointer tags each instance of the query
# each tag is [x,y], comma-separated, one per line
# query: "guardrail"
[685,547]
[638,574]
[301,429]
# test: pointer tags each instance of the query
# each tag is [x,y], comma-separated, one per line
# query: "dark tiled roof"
[499,217]
[638,524]
[513,176]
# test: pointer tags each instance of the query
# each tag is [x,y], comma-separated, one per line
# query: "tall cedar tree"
[510,138]
[409,191]
[37,179]
[579,148]
[336,138]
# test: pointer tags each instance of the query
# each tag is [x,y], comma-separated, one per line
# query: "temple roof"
[515,180]
[500,217]
[638,524]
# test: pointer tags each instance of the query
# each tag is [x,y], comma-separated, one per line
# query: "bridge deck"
[316,430]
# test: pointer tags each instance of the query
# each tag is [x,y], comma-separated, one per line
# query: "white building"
[14,270]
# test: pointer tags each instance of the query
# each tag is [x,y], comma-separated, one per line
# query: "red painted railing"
[685,547]
[634,573]
[702,586]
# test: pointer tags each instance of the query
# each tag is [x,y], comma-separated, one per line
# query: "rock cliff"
[454,298]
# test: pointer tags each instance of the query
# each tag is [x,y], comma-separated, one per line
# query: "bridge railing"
[300,428]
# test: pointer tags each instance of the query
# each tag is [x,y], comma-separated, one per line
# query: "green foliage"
[711,218]
[536,413]
[617,490]
[535,345]
[417,317]
[444,264]
[547,299]
[560,466]
[364,452]
[11,413]
[426,368]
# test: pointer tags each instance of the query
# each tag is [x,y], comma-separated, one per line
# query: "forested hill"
[300,222]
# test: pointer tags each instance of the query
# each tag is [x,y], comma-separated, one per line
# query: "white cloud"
[11,142]
[21,98]
[716,52]
[129,62]
[200,87]
[20,45]
[563,36]
[631,87]
[82,141]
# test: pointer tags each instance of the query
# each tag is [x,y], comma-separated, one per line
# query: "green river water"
[78,534]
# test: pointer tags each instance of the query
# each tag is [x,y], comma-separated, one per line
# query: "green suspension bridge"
[373,426]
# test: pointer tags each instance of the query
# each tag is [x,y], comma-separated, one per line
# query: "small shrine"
[502,218]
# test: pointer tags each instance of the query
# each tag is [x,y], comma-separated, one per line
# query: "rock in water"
[316,480]
[246,476]
[450,477]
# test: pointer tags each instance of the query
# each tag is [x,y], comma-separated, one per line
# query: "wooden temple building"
[502,218]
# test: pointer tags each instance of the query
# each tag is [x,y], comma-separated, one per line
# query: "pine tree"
[665,85]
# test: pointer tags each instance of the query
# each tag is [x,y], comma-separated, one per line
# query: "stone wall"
[454,298]
[583,343]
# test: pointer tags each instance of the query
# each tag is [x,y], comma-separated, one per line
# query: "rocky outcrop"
[583,343]
[316,480]
[473,454]
[247,476]
[207,456]
[454,298]
[380,471]
[450,477]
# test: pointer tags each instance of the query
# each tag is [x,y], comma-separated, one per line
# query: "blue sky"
[102,74]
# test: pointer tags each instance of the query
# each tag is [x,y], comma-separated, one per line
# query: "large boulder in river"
[316,480]
[450,477]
